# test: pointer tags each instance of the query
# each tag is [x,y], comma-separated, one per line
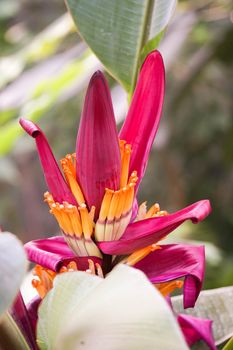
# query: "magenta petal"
[32,310]
[53,176]
[145,232]
[175,261]
[97,149]
[195,329]
[20,315]
[142,121]
[54,252]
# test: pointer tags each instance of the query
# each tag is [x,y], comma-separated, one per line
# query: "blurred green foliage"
[44,76]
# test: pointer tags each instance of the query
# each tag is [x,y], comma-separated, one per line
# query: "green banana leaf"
[122,32]
[216,305]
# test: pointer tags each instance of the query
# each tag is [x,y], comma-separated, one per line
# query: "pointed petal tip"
[202,209]
[154,57]
[98,83]
[143,118]
[31,128]
[98,155]
[97,74]
[195,329]
[53,176]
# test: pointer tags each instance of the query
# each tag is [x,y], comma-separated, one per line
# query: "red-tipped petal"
[195,329]
[53,176]
[142,121]
[97,149]
[52,253]
[145,232]
[175,261]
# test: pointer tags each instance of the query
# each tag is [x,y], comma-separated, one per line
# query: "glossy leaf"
[122,311]
[121,32]
[216,305]
[229,345]
[13,264]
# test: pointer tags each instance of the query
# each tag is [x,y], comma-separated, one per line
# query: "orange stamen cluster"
[116,207]
[140,254]
[69,168]
[168,287]
[43,278]
[153,212]
[76,224]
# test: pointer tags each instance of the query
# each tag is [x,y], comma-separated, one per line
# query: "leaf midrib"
[146,23]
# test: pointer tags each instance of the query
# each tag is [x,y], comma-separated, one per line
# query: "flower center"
[116,208]
[77,222]
[43,278]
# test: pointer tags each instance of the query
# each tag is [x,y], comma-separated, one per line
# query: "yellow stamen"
[133,177]
[95,269]
[141,212]
[91,248]
[71,179]
[99,270]
[139,254]
[125,166]
[66,219]
[153,210]
[77,226]
[105,204]
[44,278]
[122,148]
[86,222]
[168,287]
[72,266]
[71,162]
[121,202]
[91,267]
[113,205]
[129,198]
[63,269]
[48,198]
[92,215]
[75,220]
[58,211]
[41,290]
[161,213]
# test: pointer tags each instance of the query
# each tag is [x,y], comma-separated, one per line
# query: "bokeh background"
[44,71]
